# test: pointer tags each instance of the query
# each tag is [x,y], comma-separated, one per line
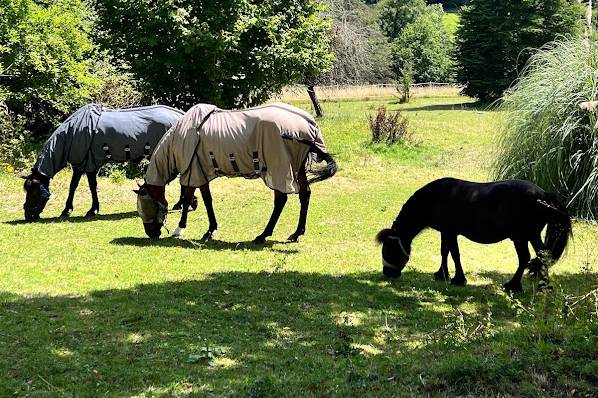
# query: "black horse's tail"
[325,172]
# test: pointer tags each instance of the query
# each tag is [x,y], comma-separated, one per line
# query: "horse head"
[37,194]
[152,208]
[395,252]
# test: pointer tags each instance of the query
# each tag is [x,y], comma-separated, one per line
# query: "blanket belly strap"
[256,163]
[146,150]
[233,162]
[127,153]
[106,149]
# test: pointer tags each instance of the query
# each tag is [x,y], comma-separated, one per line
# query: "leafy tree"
[424,46]
[229,52]
[496,38]
[44,52]
[395,15]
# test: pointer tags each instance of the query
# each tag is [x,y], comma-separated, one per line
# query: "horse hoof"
[441,277]
[459,281]
[293,238]
[207,237]
[66,213]
[178,231]
[260,240]
[92,213]
[513,287]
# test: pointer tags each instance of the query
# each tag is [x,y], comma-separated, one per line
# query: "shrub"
[16,152]
[389,127]
[546,137]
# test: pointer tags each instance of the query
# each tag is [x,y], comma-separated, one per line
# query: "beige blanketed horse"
[272,142]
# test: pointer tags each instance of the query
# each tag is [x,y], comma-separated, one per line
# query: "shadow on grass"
[235,334]
[80,219]
[212,244]
[465,106]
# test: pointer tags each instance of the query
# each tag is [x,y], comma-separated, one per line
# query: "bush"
[546,137]
[116,88]
[389,127]
[497,37]
[395,15]
[16,152]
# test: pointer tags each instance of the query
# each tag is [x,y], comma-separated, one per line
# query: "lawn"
[93,308]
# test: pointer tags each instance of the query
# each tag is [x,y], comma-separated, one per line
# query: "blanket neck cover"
[270,142]
[94,135]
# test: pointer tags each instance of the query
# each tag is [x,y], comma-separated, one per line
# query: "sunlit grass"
[94,308]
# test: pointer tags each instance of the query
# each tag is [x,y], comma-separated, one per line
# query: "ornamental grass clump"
[389,126]
[548,132]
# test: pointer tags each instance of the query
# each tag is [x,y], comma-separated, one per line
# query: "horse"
[485,213]
[89,138]
[275,142]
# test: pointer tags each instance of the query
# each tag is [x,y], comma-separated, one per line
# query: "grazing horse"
[484,213]
[89,138]
[274,142]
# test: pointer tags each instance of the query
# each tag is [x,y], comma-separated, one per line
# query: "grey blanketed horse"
[89,138]
[275,142]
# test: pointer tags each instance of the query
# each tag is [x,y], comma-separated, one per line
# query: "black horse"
[484,213]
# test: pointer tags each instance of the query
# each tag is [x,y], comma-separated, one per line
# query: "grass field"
[93,308]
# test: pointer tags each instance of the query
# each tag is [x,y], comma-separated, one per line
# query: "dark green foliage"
[232,53]
[496,38]
[449,4]
[395,15]
[44,52]
[426,46]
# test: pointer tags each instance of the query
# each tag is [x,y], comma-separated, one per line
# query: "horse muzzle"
[152,230]
[390,270]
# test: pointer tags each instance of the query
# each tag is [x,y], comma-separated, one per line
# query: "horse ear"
[384,234]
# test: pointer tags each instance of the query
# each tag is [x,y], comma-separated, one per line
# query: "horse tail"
[325,172]
[559,228]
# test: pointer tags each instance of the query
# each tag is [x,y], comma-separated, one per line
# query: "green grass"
[93,308]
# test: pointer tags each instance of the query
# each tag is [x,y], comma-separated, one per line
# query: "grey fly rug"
[270,142]
[94,135]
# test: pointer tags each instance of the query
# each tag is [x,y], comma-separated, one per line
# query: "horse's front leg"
[304,195]
[187,198]
[280,199]
[179,205]
[206,195]
[453,245]
[93,187]
[514,285]
[68,207]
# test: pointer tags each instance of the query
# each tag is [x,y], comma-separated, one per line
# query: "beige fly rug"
[271,142]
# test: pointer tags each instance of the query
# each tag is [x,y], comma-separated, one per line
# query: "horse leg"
[206,195]
[280,199]
[68,207]
[536,265]
[187,198]
[93,187]
[459,278]
[443,273]
[304,195]
[514,285]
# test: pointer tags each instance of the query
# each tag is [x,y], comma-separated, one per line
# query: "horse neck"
[157,193]
[410,221]
[42,178]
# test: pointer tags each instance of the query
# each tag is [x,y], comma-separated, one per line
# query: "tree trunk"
[314,100]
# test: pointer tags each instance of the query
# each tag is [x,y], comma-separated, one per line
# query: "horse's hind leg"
[304,195]
[68,207]
[93,187]
[280,199]
[514,285]
[453,245]
[206,195]
[443,273]
[187,198]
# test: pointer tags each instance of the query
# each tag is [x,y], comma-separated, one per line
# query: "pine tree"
[497,37]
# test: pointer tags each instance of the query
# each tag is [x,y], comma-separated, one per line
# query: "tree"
[395,15]
[426,47]
[44,59]
[496,38]
[229,52]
